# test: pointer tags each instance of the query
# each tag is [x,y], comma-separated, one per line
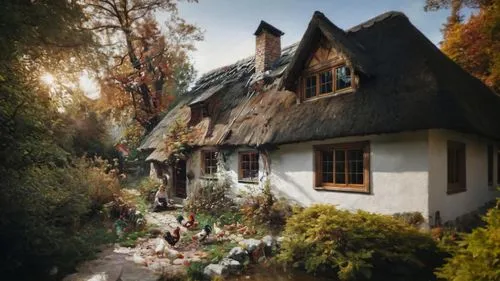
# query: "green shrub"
[477,256]
[210,196]
[357,246]
[262,207]
[195,272]
[412,218]
[46,215]
[148,188]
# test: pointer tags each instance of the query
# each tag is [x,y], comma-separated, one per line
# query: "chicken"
[191,222]
[203,234]
[172,239]
[160,247]
[219,233]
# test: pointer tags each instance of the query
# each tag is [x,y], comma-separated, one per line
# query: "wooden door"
[180,179]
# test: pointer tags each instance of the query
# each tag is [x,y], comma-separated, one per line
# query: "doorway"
[180,179]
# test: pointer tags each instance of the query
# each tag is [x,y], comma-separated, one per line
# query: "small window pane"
[210,162]
[249,166]
[343,77]
[340,166]
[311,86]
[325,82]
[456,167]
[327,166]
[355,166]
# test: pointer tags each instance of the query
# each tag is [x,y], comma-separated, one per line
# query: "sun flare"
[47,78]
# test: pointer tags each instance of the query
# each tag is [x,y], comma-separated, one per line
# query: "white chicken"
[161,244]
[203,234]
[219,232]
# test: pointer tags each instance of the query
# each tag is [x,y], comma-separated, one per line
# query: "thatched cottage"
[375,117]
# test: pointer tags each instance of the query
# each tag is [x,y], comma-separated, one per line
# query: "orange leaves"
[474,44]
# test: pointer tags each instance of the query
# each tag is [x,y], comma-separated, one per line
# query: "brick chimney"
[267,46]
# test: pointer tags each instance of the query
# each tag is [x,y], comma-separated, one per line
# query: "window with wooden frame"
[328,81]
[491,158]
[209,163]
[456,167]
[343,167]
[248,163]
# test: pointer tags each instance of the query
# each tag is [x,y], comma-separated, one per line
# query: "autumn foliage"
[474,43]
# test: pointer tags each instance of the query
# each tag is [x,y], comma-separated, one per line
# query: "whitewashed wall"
[478,192]
[398,174]
[230,170]
[408,172]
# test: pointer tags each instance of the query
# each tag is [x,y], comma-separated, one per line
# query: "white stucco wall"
[408,172]
[228,169]
[398,174]
[478,192]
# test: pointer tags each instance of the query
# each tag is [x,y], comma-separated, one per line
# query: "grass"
[216,252]
[129,239]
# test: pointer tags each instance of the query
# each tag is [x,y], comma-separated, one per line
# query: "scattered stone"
[233,266]
[215,269]
[123,250]
[251,244]
[238,254]
[178,262]
[156,267]
[195,259]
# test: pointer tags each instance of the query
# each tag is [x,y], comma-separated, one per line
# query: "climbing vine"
[178,142]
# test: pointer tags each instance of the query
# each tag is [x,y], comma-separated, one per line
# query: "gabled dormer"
[326,72]
[204,104]
[327,62]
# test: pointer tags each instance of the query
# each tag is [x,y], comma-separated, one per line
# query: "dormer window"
[343,78]
[310,86]
[328,81]
[198,112]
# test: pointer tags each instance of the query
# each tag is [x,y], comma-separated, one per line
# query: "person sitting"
[161,200]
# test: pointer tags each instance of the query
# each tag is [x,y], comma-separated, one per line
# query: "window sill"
[451,192]
[248,181]
[322,96]
[362,190]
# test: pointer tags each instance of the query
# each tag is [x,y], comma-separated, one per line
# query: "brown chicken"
[172,239]
[191,222]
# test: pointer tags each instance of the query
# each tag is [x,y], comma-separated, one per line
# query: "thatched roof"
[405,84]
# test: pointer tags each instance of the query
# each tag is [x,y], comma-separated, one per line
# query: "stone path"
[140,262]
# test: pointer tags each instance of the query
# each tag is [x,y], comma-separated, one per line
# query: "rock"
[215,269]
[156,267]
[195,259]
[178,262]
[250,244]
[233,266]
[238,254]
[123,250]
[137,259]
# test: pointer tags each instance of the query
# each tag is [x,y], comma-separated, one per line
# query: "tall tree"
[474,43]
[146,61]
